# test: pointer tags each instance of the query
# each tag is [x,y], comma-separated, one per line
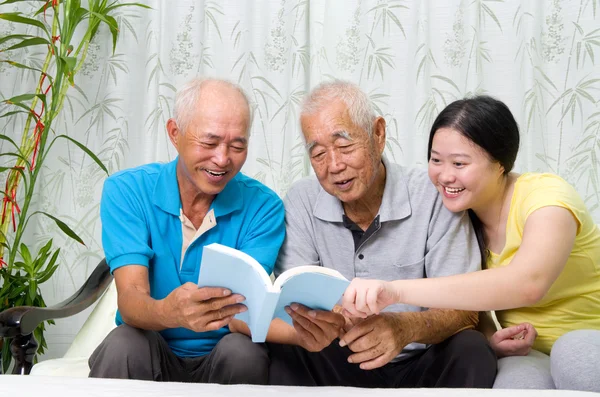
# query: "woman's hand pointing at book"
[367,297]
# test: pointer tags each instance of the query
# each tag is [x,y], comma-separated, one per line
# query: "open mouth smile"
[345,184]
[214,173]
[452,191]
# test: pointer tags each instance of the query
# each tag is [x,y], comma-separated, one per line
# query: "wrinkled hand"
[376,340]
[363,298]
[202,309]
[315,329]
[514,341]
[349,321]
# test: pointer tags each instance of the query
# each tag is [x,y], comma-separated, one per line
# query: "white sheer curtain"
[412,57]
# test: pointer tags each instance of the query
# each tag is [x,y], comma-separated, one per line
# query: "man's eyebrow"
[310,145]
[337,134]
[208,135]
[239,139]
[342,134]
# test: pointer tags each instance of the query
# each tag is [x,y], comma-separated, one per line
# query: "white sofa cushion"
[75,361]
[15,385]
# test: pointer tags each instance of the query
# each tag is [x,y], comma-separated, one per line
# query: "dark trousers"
[463,360]
[132,353]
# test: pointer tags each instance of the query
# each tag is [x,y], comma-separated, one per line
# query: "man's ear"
[174,132]
[379,133]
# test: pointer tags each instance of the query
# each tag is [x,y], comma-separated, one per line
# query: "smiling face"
[462,171]
[346,160]
[214,146]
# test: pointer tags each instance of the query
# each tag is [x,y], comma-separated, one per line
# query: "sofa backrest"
[100,322]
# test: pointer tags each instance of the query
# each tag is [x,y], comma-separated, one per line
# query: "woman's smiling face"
[462,171]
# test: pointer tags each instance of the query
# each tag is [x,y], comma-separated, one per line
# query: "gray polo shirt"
[416,236]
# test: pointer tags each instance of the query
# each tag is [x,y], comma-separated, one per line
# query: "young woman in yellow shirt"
[540,249]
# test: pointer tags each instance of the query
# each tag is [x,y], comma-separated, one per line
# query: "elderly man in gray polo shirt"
[367,217]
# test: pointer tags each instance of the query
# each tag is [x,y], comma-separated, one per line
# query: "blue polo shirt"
[141,225]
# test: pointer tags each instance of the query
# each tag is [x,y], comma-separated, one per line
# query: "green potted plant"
[53,27]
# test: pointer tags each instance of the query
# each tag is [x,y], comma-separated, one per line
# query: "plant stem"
[26,148]
[28,143]
[28,196]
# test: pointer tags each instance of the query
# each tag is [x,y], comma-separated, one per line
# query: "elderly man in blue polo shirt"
[156,219]
[367,217]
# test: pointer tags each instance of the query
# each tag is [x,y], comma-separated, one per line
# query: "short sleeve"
[298,247]
[266,233]
[546,190]
[452,246]
[125,234]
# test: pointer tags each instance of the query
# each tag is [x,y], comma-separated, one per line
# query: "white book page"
[288,274]
[249,260]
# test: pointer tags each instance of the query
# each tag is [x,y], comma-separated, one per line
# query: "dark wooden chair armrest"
[19,323]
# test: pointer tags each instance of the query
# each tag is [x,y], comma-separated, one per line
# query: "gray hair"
[188,95]
[358,103]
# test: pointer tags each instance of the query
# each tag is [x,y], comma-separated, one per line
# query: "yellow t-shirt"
[573,301]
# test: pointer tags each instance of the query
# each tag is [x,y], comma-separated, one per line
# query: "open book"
[313,286]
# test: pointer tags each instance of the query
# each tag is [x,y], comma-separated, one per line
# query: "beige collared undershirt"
[189,232]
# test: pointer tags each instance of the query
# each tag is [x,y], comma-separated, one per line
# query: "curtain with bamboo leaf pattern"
[541,57]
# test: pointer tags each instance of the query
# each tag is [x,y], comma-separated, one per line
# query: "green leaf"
[87,151]
[112,7]
[68,63]
[28,43]
[16,17]
[20,171]
[50,269]
[114,30]
[16,291]
[112,23]
[9,139]
[23,158]
[42,9]
[25,254]
[6,354]
[21,66]
[24,97]
[14,1]
[32,292]
[41,257]
[14,37]
[63,226]
[8,114]
[47,273]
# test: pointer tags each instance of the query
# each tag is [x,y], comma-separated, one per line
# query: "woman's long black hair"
[488,123]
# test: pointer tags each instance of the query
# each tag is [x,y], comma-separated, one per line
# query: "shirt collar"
[166,193]
[166,190]
[395,204]
[230,199]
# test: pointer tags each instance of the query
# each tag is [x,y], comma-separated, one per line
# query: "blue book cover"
[313,286]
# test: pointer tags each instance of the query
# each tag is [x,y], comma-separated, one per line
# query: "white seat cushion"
[100,322]
[75,361]
[74,367]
